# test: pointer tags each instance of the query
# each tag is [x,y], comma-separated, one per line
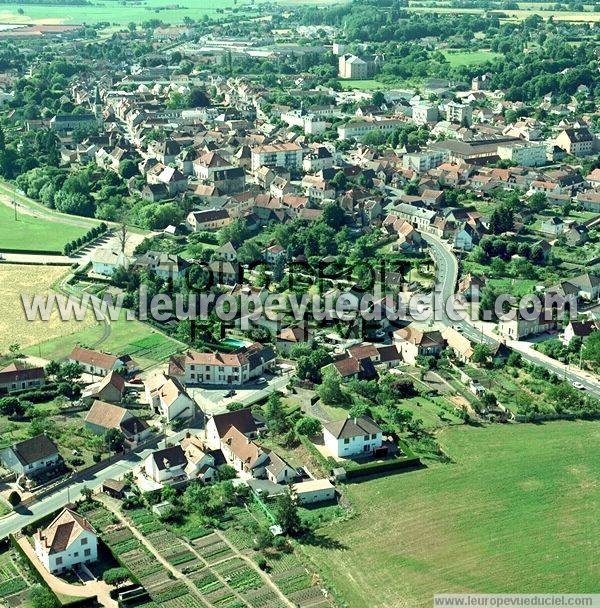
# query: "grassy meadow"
[516,511]
[147,346]
[34,233]
[461,58]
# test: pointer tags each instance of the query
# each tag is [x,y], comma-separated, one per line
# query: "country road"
[481,332]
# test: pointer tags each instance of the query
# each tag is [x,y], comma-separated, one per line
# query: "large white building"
[232,369]
[169,398]
[424,114]
[67,542]
[352,437]
[458,112]
[421,162]
[287,155]
[525,154]
[359,128]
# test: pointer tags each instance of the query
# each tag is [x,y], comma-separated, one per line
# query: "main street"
[446,279]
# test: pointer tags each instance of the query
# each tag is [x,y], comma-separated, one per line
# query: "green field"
[120,13]
[515,512]
[458,59]
[34,233]
[147,346]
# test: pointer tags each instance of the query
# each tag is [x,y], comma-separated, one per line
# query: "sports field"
[515,512]
[34,233]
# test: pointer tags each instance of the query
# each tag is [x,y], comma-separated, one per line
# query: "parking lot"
[214,400]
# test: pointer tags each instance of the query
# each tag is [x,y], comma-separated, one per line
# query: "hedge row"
[372,468]
[89,236]
[31,251]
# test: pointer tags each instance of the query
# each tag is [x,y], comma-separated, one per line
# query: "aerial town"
[301,303]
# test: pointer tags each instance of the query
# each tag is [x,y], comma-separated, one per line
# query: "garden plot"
[212,548]
[239,575]
[11,581]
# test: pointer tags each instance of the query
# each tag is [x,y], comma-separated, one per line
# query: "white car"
[578,386]
[261,380]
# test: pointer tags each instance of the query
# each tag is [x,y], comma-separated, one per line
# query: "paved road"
[58,499]
[446,278]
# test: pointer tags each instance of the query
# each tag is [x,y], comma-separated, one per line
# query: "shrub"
[115,576]
[14,498]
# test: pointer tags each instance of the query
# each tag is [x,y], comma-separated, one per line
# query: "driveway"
[97,589]
[212,400]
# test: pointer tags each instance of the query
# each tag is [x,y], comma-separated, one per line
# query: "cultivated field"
[18,279]
[34,233]
[517,511]
[122,13]
[525,10]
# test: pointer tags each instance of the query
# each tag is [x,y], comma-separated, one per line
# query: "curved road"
[446,279]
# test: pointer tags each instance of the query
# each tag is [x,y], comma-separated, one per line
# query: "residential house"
[100,364]
[278,470]
[166,465]
[32,457]
[103,417]
[218,425]
[66,543]
[209,219]
[579,329]
[458,344]
[232,369]
[289,337]
[243,454]
[414,342]
[577,141]
[105,261]
[352,437]
[167,397]
[18,376]
[111,389]
[515,326]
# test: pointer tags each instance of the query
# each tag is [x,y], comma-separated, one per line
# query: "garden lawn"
[515,512]
[34,233]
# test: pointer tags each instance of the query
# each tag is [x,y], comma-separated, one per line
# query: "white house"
[352,436]
[243,454]
[66,543]
[218,425]
[168,397]
[166,465]
[278,470]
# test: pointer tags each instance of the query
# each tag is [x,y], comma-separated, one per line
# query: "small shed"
[114,488]
[314,490]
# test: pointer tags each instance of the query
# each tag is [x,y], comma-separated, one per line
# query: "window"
[366,438]
[84,541]
[373,436]
[347,440]
[58,561]
[76,554]
[87,552]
